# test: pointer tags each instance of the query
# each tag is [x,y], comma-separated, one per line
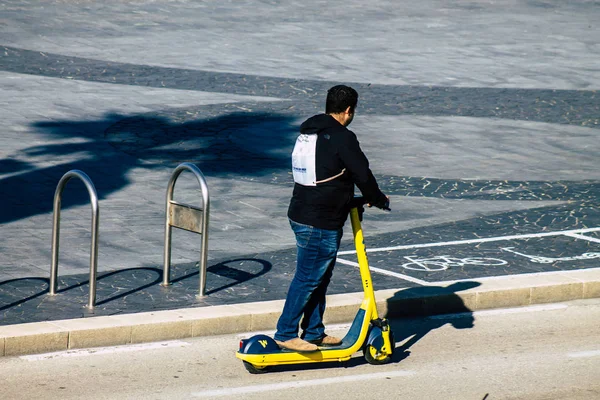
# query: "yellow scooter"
[368,332]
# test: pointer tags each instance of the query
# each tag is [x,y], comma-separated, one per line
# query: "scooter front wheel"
[374,357]
[253,369]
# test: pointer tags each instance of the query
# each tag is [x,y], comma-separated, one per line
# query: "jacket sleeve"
[357,165]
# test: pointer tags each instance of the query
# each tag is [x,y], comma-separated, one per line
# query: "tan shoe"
[298,345]
[327,341]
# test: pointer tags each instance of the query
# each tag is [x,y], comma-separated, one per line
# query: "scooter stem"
[363,262]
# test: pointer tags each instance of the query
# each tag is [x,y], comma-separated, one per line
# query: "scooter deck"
[262,350]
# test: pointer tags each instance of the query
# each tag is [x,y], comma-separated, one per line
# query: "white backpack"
[304,161]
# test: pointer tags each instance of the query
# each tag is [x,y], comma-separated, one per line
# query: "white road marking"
[585,354]
[480,240]
[583,237]
[571,274]
[501,311]
[299,384]
[105,350]
[385,272]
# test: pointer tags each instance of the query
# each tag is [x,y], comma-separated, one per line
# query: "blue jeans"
[317,250]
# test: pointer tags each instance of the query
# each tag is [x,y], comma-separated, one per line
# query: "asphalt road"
[540,352]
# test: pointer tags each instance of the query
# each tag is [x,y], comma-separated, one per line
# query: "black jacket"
[326,205]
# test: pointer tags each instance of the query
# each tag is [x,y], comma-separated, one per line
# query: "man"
[327,162]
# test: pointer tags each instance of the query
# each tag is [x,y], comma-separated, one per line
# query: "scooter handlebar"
[359,202]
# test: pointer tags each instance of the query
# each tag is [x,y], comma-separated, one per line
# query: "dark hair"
[339,98]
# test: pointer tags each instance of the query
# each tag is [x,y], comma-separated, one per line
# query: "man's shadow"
[415,312]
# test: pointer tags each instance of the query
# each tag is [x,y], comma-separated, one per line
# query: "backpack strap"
[332,177]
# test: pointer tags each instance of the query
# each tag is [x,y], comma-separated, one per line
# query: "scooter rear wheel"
[253,369]
[373,356]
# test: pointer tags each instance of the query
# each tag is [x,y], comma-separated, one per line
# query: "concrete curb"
[438,298]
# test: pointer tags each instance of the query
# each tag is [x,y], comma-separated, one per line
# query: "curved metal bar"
[56,231]
[202,230]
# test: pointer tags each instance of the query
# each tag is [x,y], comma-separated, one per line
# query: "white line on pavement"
[585,354]
[583,237]
[299,384]
[570,274]
[472,241]
[385,272]
[104,350]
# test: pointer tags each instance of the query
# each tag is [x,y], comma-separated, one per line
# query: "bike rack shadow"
[86,282]
[441,305]
[131,291]
[153,278]
[225,271]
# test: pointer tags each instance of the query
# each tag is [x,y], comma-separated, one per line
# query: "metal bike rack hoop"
[187,217]
[56,232]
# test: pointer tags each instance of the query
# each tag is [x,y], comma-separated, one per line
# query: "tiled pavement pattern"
[480,120]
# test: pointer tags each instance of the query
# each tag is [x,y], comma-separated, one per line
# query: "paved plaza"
[479,119]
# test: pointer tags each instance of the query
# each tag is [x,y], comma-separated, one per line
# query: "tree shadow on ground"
[232,143]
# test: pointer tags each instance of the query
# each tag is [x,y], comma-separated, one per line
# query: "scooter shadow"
[415,312]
